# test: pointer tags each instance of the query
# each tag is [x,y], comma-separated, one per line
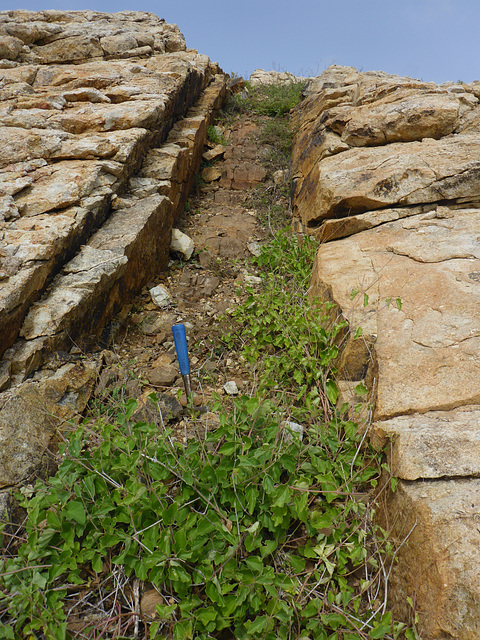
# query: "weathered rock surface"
[103,120]
[111,130]
[435,444]
[32,413]
[437,568]
[260,76]
[386,173]
[346,109]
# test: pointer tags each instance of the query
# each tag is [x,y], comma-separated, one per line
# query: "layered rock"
[88,98]
[386,176]
[103,119]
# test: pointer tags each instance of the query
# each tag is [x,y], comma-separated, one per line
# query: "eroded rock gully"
[386,173]
[103,122]
[87,212]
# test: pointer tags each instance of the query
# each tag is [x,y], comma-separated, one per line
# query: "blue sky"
[435,40]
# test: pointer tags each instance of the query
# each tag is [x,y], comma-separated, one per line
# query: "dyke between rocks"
[386,175]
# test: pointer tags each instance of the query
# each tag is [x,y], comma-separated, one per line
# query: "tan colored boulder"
[10,47]
[436,525]
[405,118]
[346,109]
[360,180]
[74,135]
[404,270]
[425,355]
[210,174]
[334,228]
[435,444]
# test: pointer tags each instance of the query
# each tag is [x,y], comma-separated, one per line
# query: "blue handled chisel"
[180,338]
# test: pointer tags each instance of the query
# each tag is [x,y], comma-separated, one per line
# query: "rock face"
[386,176]
[103,119]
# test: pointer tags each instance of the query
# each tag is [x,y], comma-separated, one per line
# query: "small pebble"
[231,388]
[255,248]
[249,279]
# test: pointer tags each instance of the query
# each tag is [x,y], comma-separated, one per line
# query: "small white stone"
[231,388]
[249,279]
[280,176]
[161,296]
[255,248]
[291,428]
[182,244]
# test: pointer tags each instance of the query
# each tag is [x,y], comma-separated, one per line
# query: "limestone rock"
[216,152]
[159,408]
[346,109]
[90,96]
[210,174]
[260,76]
[161,296]
[181,243]
[360,180]
[378,178]
[163,375]
[10,47]
[231,388]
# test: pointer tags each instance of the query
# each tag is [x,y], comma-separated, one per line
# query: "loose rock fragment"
[161,296]
[163,375]
[231,388]
[181,243]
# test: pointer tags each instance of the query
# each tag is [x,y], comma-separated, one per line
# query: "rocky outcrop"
[386,176]
[103,119]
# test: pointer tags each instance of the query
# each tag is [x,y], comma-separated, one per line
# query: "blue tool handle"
[180,339]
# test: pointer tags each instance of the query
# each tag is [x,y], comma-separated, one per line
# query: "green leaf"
[365,299]
[227,449]
[97,564]
[298,376]
[382,628]
[251,496]
[282,495]
[268,484]
[398,302]
[206,615]
[320,520]
[358,333]
[75,510]
[254,563]
[361,390]
[331,390]
[252,405]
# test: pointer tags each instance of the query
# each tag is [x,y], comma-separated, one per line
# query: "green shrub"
[267,99]
[252,529]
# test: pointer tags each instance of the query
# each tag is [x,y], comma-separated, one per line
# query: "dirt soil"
[228,217]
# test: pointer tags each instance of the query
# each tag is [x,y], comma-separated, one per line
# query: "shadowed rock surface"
[386,175]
